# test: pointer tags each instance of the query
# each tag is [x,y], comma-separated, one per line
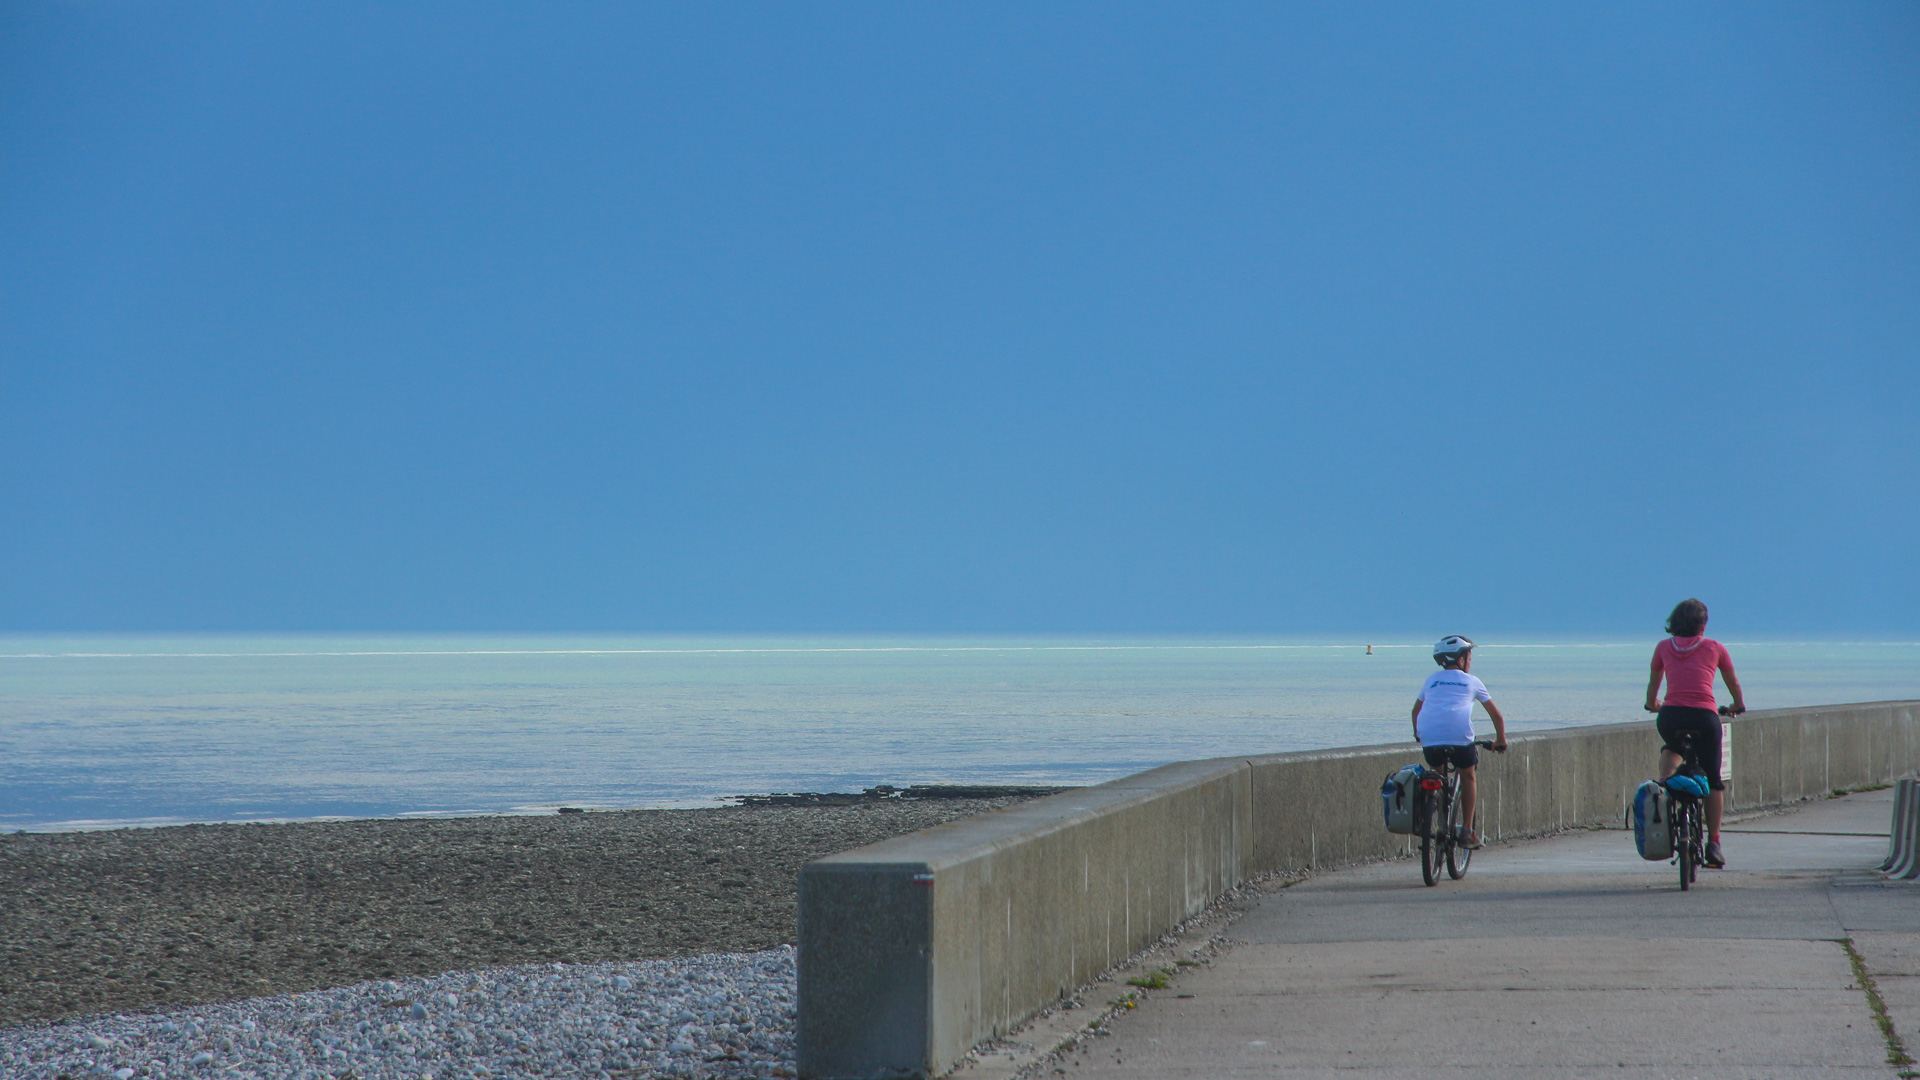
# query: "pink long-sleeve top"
[1688,664]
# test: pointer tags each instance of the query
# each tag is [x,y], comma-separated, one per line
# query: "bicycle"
[1689,802]
[1689,813]
[1439,791]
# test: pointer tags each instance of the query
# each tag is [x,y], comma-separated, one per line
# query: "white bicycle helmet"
[1452,645]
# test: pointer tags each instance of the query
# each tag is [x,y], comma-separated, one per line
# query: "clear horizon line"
[874,649]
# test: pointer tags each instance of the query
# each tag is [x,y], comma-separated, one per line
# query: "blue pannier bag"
[1651,819]
[1687,786]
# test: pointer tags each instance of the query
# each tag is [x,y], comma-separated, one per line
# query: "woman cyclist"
[1687,661]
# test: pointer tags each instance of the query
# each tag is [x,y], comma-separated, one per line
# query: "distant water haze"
[100,731]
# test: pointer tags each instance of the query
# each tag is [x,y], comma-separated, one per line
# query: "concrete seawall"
[915,949]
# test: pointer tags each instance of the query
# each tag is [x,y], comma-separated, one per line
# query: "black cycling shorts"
[1460,757]
[1705,726]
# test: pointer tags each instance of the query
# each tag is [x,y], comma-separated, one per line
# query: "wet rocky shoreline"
[136,919]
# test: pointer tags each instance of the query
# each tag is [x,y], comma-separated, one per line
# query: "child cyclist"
[1443,722]
[1687,660]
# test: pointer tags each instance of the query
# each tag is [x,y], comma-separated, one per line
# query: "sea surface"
[99,732]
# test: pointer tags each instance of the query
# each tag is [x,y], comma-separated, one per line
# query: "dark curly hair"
[1689,618]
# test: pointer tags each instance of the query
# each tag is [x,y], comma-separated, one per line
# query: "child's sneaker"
[1715,860]
[1469,839]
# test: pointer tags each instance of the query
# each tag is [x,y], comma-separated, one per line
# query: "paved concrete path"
[1563,957]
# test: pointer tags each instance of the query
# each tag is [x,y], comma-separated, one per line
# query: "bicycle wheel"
[1430,845]
[1699,833]
[1684,849]
[1458,854]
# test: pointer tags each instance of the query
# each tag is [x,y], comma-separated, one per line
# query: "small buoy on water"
[1369,648]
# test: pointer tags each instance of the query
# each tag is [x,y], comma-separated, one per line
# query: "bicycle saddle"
[1692,787]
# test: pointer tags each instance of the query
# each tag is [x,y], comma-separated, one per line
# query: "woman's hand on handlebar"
[1652,705]
[1732,710]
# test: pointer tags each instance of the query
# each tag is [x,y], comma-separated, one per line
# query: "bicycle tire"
[1699,841]
[1699,846]
[1430,854]
[1685,850]
[1458,854]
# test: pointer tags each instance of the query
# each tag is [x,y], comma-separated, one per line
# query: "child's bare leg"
[1469,793]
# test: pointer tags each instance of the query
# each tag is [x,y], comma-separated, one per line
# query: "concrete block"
[915,949]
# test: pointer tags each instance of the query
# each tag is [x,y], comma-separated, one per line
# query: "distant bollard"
[1902,802]
[1904,831]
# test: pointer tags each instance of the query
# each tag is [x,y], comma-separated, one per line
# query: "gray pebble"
[726,1015]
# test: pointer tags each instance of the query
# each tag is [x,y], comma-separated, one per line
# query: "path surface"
[1563,957]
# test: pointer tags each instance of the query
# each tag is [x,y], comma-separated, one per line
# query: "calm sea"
[98,731]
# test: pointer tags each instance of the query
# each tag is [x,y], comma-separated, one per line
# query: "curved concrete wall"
[915,949]
[912,947]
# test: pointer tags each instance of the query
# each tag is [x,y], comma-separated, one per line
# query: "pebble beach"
[629,943]
[729,1015]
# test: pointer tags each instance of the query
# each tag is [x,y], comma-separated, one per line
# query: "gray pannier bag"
[1651,819]
[1401,795]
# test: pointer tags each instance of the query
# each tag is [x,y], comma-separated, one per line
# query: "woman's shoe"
[1715,860]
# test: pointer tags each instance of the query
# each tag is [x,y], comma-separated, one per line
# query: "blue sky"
[1172,318]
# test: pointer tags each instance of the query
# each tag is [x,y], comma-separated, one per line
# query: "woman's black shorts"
[1704,724]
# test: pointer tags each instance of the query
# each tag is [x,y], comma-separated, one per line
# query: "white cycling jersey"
[1446,712]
